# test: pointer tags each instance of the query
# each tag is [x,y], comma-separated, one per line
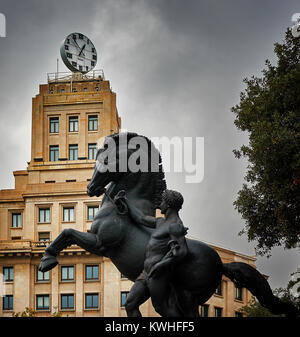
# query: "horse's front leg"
[68,237]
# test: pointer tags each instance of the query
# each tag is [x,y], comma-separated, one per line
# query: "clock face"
[78,53]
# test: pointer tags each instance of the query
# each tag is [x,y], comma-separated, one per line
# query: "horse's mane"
[157,177]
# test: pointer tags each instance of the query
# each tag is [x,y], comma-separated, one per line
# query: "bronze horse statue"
[115,235]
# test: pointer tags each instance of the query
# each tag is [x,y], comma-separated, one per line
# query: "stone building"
[69,116]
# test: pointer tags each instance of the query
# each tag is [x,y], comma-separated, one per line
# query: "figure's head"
[171,199]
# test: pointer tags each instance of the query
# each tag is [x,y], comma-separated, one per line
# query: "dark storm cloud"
[177,69]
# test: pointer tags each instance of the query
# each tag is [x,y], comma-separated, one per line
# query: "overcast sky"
[177,68]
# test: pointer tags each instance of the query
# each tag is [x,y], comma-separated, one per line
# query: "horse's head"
[123,155]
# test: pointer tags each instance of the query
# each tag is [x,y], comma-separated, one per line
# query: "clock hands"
[81,50]
[76,43]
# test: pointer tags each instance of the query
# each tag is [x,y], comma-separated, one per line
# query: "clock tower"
[70,115]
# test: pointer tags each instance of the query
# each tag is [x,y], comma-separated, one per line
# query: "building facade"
[70,116]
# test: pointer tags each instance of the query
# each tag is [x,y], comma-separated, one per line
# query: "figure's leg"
[139,293]
[162,296]
[67,237]
[188,302]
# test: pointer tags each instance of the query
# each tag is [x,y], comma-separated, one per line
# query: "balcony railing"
[40,244]
[27,245]
[15,244]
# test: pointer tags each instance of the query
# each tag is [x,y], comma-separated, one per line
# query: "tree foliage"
[29,312]
[255,309]
[269,110]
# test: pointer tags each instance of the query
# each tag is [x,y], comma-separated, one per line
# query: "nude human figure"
[166,247]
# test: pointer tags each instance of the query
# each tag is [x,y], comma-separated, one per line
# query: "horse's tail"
[244,275]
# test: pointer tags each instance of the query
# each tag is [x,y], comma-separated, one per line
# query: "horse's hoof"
[48,262]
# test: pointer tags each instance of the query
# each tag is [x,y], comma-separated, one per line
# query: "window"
[54,150]
[8,301]
[124,295]
[92,272]
[91,301]
[238,314]
[93,123]
[219,290]
[67,301]
[44,215]
[92,151]
[8,274]
[204,310]
[92,210]
[238,293]
[44,236]
[16,220]
[42,277]
[68,214]
[73,152]
[67,273]
[218,312]
[54,122]
[42,302]
[73,123]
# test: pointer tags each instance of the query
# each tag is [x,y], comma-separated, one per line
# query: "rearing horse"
[115,235]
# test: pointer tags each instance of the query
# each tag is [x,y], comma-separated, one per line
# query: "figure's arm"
[178,242]
[139,217]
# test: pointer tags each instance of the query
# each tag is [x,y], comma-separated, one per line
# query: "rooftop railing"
[69,76]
